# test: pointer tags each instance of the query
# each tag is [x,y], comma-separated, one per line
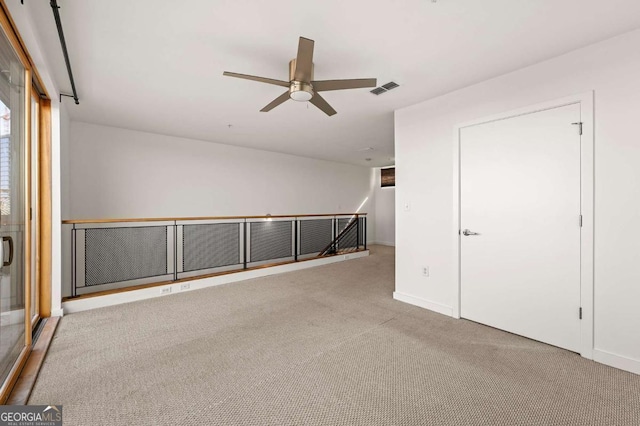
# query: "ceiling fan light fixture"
[300,91]
[300,96]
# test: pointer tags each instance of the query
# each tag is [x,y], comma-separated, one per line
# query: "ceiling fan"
[302,86]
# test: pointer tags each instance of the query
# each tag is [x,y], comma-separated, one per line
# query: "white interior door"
[520,192]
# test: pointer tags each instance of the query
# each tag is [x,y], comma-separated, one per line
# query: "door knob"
[468,232]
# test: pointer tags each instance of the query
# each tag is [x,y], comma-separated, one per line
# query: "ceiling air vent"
[390,85]
[385,88]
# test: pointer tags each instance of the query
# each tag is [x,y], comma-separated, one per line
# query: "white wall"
[385,211]
[424,175]
[64,161]
[118,173]
[59,138]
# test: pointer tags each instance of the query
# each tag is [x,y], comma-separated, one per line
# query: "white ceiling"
[156,65]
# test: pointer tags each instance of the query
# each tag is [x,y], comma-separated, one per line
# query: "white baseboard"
[79,305]
[57,312]
[617,361]
[384,243]
[623,363]
[423,303]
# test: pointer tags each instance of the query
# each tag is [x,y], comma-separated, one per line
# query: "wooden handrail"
[169,219]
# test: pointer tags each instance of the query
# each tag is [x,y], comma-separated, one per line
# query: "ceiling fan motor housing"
[299,90]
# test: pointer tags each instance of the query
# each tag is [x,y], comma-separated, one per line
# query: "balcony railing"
[119,254]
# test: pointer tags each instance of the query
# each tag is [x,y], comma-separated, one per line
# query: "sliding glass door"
[12,207]
[25,203]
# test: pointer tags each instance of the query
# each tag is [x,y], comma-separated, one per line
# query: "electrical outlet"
[425,271]
[185,286]
[165,290]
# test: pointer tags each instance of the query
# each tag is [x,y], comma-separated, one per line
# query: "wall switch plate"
[165,290]
[185,286]
[425,271]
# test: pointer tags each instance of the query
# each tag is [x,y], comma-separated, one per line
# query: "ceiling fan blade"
[255,78]
[304,60]
[356,83]
[277,101]
[319,101]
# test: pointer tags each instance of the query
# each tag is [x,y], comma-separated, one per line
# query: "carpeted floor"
[323,346]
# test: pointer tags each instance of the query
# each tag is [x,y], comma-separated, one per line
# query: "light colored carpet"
[323,346]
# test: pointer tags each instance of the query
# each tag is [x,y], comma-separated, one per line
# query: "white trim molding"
[383,243]
[80,305]
[586,102]
[423,303]
[617,361]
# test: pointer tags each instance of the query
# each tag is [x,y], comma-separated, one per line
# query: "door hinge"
[579,124]
[580,221]
[580,313]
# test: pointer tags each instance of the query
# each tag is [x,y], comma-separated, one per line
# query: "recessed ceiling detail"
[385,88]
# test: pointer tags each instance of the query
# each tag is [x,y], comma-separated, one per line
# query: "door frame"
[586,102]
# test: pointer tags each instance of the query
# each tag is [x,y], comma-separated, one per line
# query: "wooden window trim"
[44,210]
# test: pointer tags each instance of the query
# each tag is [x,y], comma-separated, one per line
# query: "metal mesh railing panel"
[123,254]
[271,240]
[350,238]
[210,246]
[315,235]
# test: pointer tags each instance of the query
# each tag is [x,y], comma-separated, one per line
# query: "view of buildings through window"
[5,159]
